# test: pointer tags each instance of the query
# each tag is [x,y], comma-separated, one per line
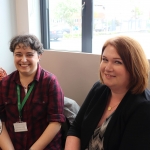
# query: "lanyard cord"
[20,105]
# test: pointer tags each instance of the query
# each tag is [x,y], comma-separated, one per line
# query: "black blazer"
[129,127]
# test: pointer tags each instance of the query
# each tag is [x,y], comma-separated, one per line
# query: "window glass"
[65,25]
[121,17]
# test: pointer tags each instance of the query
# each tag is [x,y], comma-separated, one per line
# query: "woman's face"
[26,60]
[113,71]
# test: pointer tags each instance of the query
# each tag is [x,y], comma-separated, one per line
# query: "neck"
[26,80]
[114,100]
[117,96]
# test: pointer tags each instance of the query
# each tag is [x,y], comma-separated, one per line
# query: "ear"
[39,56]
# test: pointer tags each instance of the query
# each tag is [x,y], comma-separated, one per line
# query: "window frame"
[44,17]
[87,26]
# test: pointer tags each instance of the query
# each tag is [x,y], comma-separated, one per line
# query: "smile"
[109,76]
[24,65]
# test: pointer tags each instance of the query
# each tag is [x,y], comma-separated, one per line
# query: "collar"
[16,77]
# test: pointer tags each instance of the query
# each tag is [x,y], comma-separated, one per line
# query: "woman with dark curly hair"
[31,101]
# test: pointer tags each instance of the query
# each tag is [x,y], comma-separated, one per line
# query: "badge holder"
[20,127]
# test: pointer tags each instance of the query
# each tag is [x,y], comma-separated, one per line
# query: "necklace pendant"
[109,108]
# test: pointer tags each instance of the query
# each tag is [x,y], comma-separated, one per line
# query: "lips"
[109,76]
[24,65]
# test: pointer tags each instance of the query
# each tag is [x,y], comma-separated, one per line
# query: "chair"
[71,109]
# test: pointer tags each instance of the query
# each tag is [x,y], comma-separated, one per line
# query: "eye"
[18,55]
[104,60]
[30,55]
[118,62]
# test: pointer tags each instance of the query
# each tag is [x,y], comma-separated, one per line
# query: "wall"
[17,17]
[28,17]
[76,72]
[7,30]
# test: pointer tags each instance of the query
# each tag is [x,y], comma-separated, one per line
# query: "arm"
[5,141]
[47,136]
[54,113]
[72,143]
[75,131]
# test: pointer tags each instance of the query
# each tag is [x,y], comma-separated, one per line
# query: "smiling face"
[113,71]
[26,60]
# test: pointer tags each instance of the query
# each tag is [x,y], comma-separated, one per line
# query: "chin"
[108,84]
[24,71]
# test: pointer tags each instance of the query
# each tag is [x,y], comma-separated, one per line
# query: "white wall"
[34,17]
[28,17]
[17,17]
[7,30]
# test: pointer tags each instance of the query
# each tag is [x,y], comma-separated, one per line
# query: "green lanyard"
[20,105]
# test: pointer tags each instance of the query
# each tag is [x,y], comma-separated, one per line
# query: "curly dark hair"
[27,40]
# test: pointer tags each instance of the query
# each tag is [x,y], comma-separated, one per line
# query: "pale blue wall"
[7,30]
[16,18]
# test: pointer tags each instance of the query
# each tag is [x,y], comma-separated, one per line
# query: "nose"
[23,59]
[109,66]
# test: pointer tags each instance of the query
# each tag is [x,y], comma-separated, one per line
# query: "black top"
[129,127]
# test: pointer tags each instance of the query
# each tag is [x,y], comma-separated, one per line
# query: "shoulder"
[46,75]
[140,109]
[137,104]
[98,84]
[49,80]
[99,87]
[12,76]
[97,95]
[43,74]
[143,99]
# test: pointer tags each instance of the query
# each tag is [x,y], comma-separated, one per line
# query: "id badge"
[0,127]
[20,127]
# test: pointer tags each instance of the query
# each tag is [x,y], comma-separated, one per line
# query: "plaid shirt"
[44,105]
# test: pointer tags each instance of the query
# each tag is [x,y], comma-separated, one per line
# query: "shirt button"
[43,102]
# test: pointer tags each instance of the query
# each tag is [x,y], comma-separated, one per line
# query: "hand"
[2,73]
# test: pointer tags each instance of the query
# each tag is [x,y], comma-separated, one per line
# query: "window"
[85,30]
[65,25]
[121,17]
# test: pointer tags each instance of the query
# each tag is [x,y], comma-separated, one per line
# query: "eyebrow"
[26,53]
[113,58]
